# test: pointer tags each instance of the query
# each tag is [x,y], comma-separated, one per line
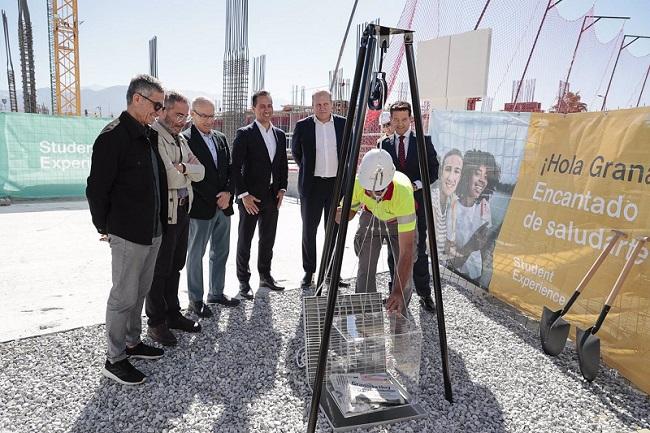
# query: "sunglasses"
[157,106]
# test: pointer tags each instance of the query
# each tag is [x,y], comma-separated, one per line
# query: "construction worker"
[388,212]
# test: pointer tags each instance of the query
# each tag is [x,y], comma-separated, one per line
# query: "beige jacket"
[171,154]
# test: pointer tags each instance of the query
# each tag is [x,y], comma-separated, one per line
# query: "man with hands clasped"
[211,210]
[259,173]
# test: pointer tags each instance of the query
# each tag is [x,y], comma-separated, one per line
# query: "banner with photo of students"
[535,202]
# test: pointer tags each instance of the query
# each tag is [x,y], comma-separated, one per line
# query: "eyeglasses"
[182,117]
[204,116]
[157,106]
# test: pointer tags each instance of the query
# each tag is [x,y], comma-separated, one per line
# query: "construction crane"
[63,24]
[13,100]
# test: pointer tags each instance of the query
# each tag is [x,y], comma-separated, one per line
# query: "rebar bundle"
[11,81]
[153,56]
[235,67]
[259,72]
[26,45]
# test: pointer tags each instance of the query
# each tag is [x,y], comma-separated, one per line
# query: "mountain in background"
[108,100]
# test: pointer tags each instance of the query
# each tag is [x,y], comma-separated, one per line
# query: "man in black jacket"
[259,172]
[211,210]
[402,147]
[127,191]
[316,148]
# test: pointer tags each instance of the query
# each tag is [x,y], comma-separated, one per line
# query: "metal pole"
[623,46]
[331,226]
[482,13]
[428,211]
[611,77]
[530,55]
[370,41]
[643,86]
[345,37]
[566,81]
[575,51]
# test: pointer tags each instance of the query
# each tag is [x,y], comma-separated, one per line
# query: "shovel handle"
[617,234]
[626,270]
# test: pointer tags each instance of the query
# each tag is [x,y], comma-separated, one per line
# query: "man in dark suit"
[316,148]
[402,147]
[211,210]
[259,173]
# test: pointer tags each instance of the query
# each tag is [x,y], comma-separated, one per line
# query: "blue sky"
[301,39]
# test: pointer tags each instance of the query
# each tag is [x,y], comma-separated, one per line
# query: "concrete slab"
[55,274]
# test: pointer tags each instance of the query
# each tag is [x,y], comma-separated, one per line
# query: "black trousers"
[267,221]
[421,275]
[312,207]
[162,300]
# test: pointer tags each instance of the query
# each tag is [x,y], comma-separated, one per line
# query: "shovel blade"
[588,347]
[553,332]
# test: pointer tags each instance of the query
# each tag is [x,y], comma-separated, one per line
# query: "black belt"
[324,178]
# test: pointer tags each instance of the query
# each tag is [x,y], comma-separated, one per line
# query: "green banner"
[45,156]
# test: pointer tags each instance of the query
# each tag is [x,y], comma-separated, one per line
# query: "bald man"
[211,210]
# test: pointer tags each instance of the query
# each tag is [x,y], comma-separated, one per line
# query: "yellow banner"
[581,176]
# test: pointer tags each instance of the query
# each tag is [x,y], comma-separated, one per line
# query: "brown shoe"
[161,334]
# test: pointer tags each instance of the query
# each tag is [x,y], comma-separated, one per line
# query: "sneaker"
[123,372]
[184,324]
[161,334]
[143,351]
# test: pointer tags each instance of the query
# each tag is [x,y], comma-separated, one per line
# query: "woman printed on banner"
[469,218]
[443,194]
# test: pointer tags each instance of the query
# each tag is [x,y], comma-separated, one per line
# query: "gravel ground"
[239,375]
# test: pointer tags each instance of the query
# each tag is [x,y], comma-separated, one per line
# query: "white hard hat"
[376,170]
[384,118]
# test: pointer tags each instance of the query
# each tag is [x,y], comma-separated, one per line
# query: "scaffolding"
[26,45]
[11,81]
[64,57]
[235,67]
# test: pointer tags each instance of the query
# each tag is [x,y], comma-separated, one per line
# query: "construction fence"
[45,156]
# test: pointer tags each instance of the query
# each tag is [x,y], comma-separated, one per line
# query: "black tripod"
[347,168]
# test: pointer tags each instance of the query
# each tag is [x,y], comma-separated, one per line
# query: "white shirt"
[271,147]
[327,159]
[462,223]
[407,139]
[209,141]
[269,139]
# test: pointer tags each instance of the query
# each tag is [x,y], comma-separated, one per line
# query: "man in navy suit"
[402,147]
[316,148]
[259,173]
